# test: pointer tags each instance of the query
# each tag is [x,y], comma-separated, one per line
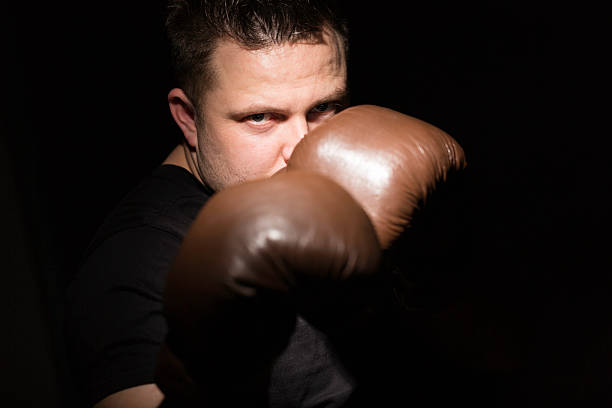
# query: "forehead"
[239,72]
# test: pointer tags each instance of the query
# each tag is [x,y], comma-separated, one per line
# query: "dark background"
[521,85]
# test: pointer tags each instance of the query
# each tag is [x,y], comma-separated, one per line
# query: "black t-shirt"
[116,323]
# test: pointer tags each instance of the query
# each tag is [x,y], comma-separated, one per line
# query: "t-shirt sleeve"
[115,322]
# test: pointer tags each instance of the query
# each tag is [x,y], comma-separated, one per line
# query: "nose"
[295,132]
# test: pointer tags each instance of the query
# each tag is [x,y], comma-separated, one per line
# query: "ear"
[183,112]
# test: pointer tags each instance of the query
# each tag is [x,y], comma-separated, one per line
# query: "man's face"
[261,105]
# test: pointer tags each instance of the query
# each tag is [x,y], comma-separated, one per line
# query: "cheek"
[313,125]
[260,153]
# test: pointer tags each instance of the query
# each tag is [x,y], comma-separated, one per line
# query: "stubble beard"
[214,169]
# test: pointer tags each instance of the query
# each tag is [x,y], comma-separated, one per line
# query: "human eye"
[324,110]
[258,118]
[328,107]
[322,107]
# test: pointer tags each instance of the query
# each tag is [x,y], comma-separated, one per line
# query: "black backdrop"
[521,85]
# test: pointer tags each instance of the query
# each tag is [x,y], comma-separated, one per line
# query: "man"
[235,295]
[254,78]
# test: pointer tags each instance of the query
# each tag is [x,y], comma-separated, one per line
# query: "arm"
[142,396]
[257,254]
[116,324]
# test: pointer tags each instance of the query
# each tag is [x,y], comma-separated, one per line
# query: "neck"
[183,156]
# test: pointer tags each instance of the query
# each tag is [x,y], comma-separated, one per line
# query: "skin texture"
[143,396]
[262,104]
[292,81]
[388,161]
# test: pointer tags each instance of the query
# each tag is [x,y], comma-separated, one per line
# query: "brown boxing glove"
[388,161]
[257,254]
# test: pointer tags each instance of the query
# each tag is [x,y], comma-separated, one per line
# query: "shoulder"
[136,244]
[140,237]
[115,321]
[167,200]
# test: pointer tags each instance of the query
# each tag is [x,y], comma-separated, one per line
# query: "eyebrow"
[340,94]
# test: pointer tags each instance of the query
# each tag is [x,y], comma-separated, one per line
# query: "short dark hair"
[194,28]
